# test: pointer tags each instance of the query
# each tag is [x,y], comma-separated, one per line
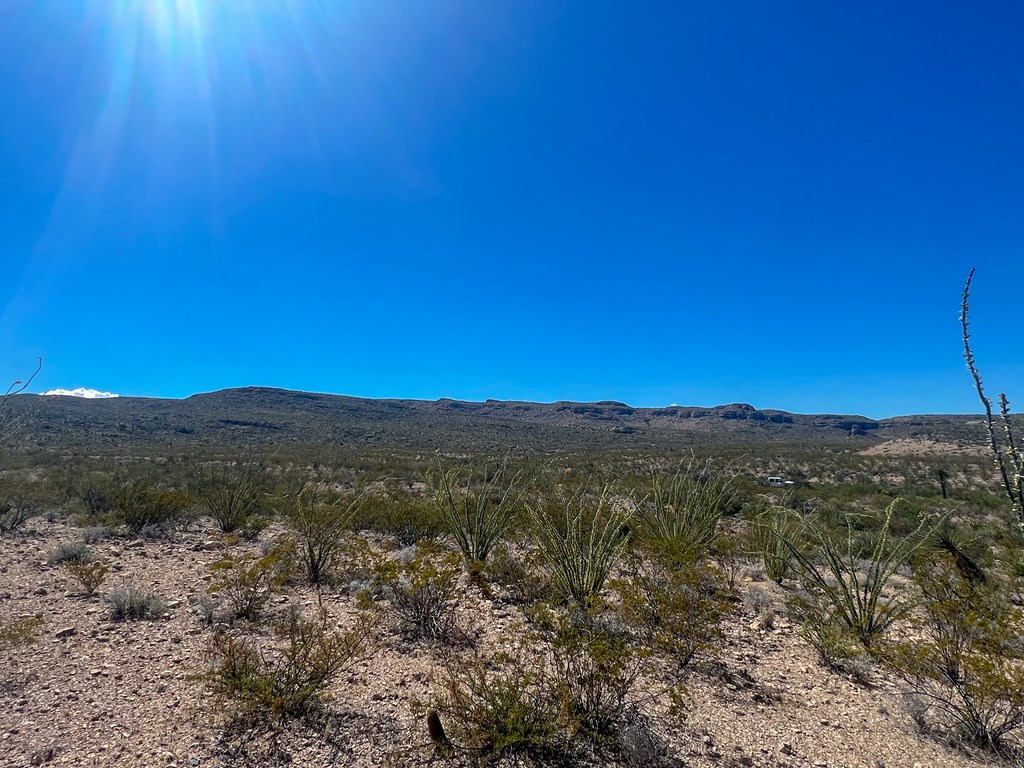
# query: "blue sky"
[693,203]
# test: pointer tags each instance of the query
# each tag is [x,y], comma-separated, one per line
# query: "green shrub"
[287,681]
[837,645]
[502,707]
[967,665]
[523,575]
[148,509]
[87,572]
[845,593]
[97,499]
[673,603]
[405,516]
[21,631]
[581,540]
[246,582]
[128,603]
[594,675]
[365,570]
[478,517]
[776,532]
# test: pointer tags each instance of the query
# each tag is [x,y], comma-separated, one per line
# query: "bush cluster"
[321,522]
[148,509]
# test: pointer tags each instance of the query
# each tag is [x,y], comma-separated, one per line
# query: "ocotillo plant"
[1008,459]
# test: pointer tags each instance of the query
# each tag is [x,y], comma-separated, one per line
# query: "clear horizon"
[543,201]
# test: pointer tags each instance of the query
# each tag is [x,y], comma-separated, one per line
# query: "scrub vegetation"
[621,577]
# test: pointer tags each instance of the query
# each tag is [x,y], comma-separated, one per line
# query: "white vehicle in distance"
[778,482]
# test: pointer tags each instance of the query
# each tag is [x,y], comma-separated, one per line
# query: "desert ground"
[91,691]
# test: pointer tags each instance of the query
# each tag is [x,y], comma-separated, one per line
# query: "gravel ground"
[93,692]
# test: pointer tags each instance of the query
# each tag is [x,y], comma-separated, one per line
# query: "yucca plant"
[684,507]
[479,516]
[852,595]
[582,539]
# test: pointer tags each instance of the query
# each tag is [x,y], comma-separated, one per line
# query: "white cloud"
[81,392]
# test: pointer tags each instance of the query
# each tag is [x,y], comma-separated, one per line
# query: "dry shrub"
[128,603]
[246,582]
[15,512]
[422,588]
[288,679]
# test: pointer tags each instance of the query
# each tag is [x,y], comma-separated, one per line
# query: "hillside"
[263,416]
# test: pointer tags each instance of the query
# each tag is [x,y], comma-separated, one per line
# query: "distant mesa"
[253,415]
[89,394]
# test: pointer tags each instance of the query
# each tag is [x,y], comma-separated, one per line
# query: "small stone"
[786,748]
[65,632]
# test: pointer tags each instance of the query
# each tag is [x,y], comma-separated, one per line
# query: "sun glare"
[169,18]
[169,75]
